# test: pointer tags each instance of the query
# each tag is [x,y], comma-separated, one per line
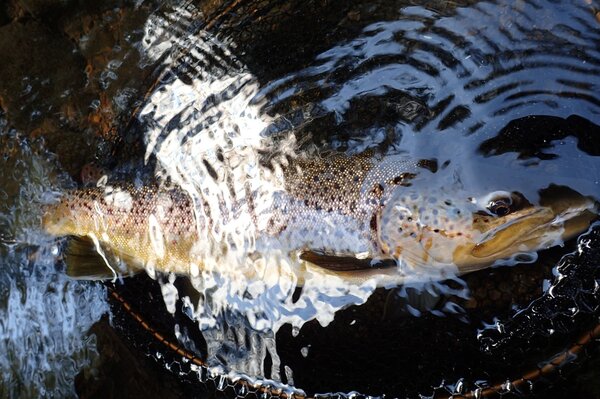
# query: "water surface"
[501,94]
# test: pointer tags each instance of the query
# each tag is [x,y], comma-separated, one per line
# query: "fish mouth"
[562,213]
[539,228]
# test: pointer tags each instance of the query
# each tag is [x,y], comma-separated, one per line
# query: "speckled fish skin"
[127,220]
[330,204]
[345,206]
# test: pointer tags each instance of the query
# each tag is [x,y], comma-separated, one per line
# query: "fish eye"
[500,206]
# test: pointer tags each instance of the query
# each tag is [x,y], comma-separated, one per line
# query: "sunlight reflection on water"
[44,315]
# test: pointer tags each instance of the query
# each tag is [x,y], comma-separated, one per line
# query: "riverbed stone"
[40,7]
[41,81]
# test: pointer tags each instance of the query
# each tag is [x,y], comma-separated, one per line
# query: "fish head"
[473,233]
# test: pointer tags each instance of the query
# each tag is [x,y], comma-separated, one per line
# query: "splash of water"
[205,127]
[44,316]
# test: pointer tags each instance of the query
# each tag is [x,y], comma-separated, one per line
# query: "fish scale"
[127,219]
[334,202]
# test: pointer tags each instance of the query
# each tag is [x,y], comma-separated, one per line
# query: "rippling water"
[492,91]
[44,316]
[498,95]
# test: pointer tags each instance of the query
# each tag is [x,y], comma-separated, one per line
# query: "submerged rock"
[41,74]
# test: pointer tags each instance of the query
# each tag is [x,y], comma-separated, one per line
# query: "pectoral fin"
[345,263]
[84,262]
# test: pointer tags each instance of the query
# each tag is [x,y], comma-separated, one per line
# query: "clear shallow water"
[458,84]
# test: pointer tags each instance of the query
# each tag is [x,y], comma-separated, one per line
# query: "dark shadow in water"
[535,136]
[571,302]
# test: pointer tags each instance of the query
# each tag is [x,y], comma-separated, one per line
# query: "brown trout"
[354,217]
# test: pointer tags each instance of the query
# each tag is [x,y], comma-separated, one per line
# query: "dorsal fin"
[345,263]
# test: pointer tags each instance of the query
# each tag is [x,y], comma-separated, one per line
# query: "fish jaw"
[539,229]
[507,235]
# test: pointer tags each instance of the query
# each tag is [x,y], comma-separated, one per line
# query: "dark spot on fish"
[210,169]
[373,223]
[353,206]
[448,202]
[378,190]
[429,164]
[405,179]
[436,230]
